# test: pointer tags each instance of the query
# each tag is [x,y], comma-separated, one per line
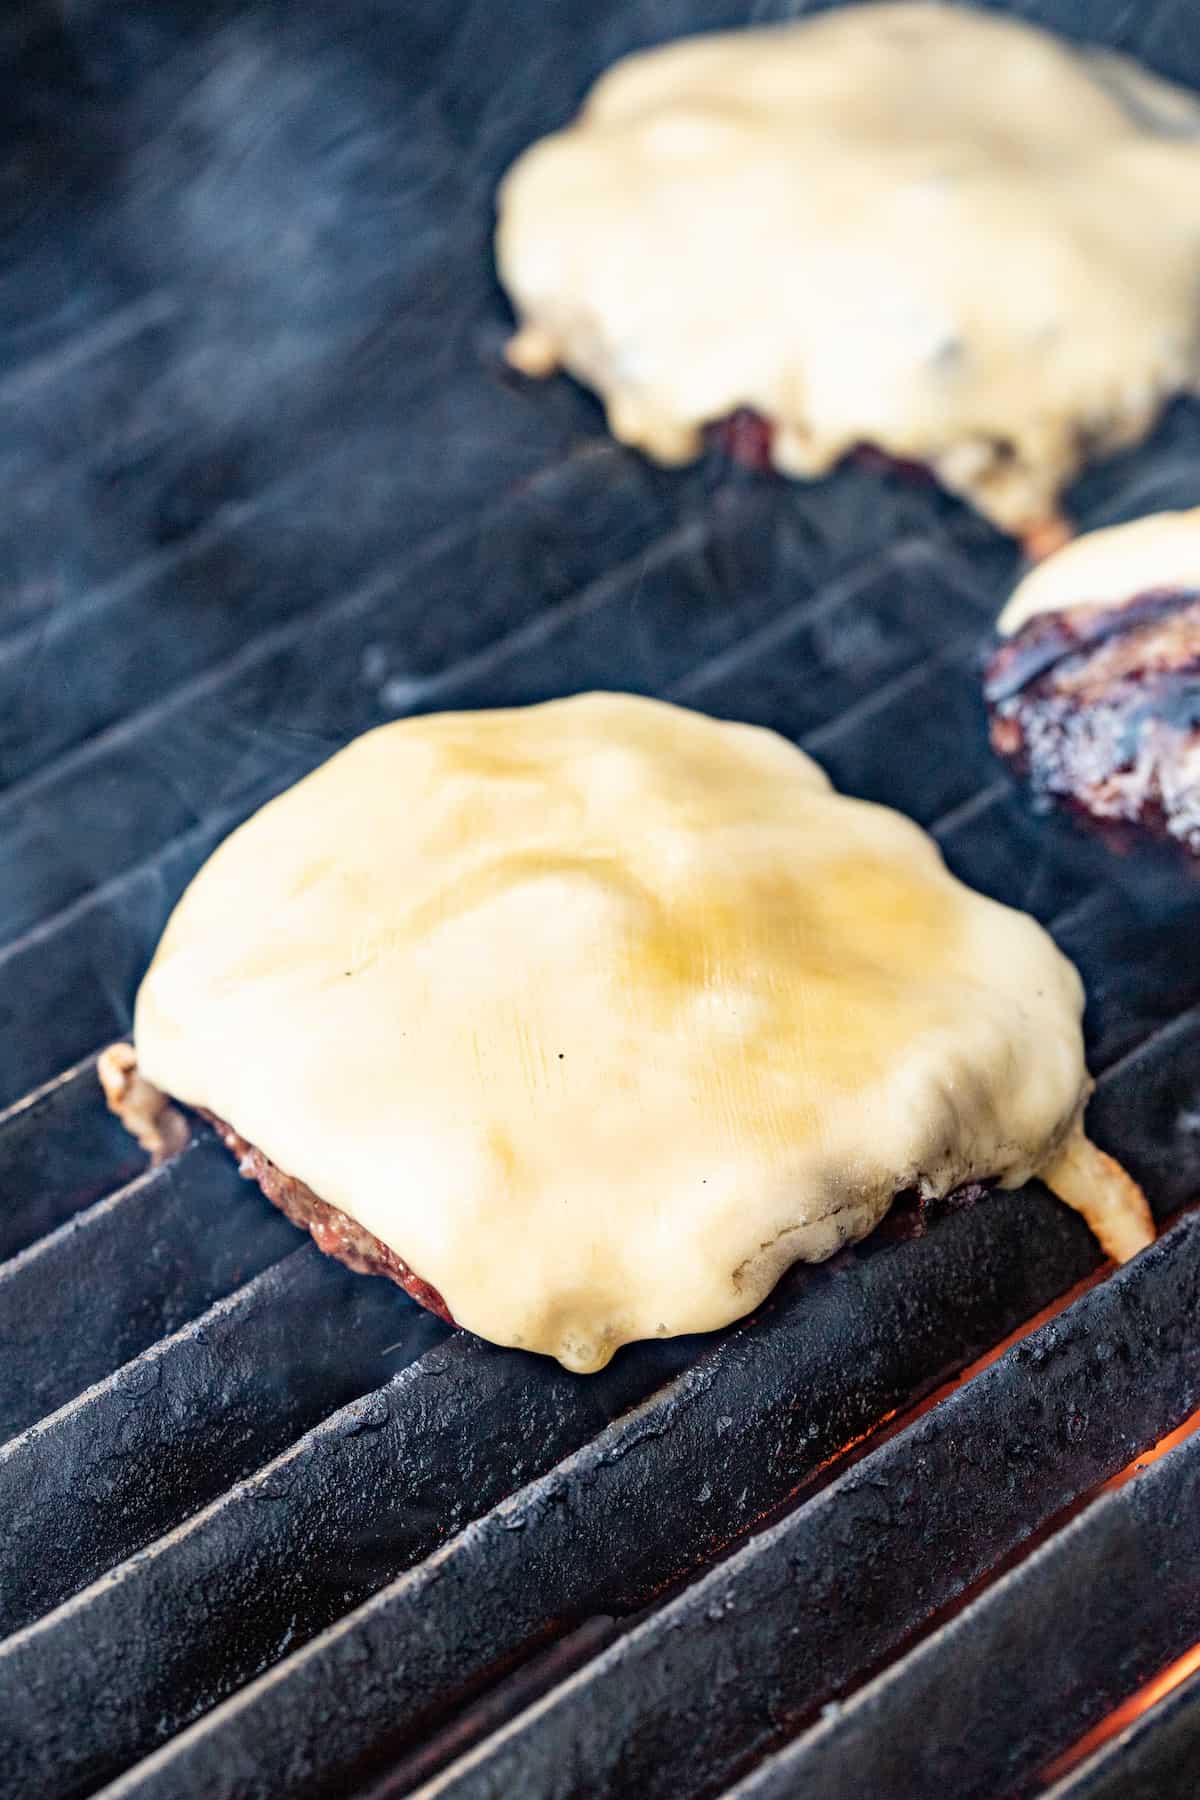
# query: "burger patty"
[162,1130]
[343,1238]
[746,437]
[1099,707]
[332,1230]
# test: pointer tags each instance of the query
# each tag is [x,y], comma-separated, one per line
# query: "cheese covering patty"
[601,1013]
[1158,553]
[941,231]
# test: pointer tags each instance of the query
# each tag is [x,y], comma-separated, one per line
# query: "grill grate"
[270,1527]
[1155,1759]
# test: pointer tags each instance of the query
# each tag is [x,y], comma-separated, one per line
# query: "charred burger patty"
[1094,691]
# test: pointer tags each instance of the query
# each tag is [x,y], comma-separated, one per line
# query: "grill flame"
[1168,1679]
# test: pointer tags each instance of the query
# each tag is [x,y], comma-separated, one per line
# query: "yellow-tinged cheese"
[601,1013]
[934,229]
[1108,567]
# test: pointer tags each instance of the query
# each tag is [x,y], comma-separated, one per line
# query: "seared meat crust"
[332,1230]
[1099,707]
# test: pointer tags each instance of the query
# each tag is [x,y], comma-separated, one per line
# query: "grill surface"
[271,1528]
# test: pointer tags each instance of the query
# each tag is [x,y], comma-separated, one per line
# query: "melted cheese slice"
[933,229]
[1106,568]
[602,1013]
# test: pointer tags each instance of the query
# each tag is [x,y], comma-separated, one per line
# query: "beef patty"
[162,1130]
[1099,707]
[746,437]
[331,1230]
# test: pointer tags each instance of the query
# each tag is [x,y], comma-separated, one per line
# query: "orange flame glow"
[1180,1433]
[1129,1710]
[1167,1679]
[898,1418]
[1014,1337]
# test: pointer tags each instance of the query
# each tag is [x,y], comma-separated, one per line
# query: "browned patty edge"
[162,1130]
[331,1229]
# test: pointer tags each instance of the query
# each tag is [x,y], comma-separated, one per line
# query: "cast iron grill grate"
[270,1528]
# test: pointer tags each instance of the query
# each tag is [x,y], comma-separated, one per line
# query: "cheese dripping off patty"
[601,1013]
[932,229]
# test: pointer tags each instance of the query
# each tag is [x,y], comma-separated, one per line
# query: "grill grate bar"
[288,632]
[81,971]
[933,710]
[19,384]
[1149,1104]
[1155,1758]
[1125,942]
[197,749]
[59,1151]
[1006,853]
[364,1494]
[1063,1638]
[983,801]
[306,584]
[119,890]
[780,633]
[809,1607]
[1137,983]
[405,693]
[201,1409]
[126,1272]
[106,601]
[552,444]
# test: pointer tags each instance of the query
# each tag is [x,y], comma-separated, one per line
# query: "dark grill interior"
[269,1528]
